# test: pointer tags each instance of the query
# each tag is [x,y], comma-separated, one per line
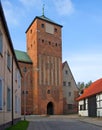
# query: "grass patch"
[21,125]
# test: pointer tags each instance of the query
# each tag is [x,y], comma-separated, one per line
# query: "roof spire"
[43,9]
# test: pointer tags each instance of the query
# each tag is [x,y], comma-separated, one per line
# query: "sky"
[81,32]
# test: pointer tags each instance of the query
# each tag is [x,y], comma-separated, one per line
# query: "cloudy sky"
[81,33]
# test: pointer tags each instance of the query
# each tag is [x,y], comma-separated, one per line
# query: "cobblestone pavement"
[69,122]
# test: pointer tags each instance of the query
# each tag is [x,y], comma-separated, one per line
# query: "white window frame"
[1,94]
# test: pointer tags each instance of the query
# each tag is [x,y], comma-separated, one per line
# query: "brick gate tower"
[44,46]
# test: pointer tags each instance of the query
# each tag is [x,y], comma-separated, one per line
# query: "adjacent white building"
[10,78]
[90,102]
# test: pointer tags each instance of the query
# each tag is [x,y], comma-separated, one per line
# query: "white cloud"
[64,7]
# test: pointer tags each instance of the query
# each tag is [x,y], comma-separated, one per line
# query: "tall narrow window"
[9,61]
[16,70]
[19,79]
[1,95]
[66,72]
[15,103]
[84,104]
[1,43]
[8,99]
[69,94]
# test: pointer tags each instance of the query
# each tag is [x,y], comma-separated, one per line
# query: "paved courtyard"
[63,123]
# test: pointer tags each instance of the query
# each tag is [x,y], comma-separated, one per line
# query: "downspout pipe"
[12,94]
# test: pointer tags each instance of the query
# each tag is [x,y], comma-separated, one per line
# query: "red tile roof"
[94,88]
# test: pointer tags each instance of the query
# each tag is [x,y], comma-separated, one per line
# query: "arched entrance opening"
[50,108]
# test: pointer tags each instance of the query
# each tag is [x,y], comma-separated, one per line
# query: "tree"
[82,85]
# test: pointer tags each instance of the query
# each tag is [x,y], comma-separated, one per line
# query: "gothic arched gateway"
[50,108]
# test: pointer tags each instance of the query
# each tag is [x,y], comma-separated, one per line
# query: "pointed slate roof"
[22,56]
[93,89]
[66,63]
[43,17]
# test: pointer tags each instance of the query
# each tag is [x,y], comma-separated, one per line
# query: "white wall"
[99,105]
[83,112]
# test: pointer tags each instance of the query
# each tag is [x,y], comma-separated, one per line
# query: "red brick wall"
[26,85]
[40,42]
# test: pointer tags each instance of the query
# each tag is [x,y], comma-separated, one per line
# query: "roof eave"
[25,62]
[44,20]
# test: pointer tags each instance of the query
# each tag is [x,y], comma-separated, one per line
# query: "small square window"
[55,29]
[55,44]
[69,83]
[69,94]
[66,72]
[49,43]
[31,31]
[48,91]
[64,83]
[42,41]
[42,25]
